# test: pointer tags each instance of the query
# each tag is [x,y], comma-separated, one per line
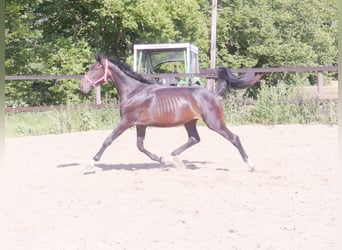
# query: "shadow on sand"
[192,165]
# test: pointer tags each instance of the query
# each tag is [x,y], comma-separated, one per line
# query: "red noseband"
[100,80]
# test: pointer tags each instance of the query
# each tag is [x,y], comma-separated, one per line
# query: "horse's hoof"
[178,163]
[166,160]
[89,168]
[250,164]
[251,170]
[173,161]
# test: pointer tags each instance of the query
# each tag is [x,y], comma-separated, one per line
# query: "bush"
[278,104]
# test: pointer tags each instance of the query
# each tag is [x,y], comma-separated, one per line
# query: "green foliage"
[277,33]
[281,104]
[59,37]
[29,51]
[60,57]
[21,37]
[49,37]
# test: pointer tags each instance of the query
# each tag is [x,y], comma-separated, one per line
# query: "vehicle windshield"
[162,61]
[158,57]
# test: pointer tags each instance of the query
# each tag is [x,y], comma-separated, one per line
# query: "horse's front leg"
[122,126]
[141,132]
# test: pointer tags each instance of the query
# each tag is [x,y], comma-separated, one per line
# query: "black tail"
[227,81]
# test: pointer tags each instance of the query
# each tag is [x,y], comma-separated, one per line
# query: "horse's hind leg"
[234,139]
[141,132]
[193,137]
[220,128]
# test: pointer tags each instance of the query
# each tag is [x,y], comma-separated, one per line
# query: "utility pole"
[211,81]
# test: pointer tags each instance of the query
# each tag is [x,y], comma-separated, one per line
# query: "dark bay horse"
[144,103]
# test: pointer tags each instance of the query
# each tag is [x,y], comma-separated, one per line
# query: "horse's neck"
[124,84]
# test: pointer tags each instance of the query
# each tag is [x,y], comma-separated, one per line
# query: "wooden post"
[211,81]
[320,84]
[98,95]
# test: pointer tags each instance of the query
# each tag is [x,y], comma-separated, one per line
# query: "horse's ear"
[97,57]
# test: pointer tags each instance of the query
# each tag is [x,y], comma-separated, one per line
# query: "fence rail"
[58,107]
[204,73]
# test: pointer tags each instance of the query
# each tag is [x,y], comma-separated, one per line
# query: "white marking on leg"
[178,163]
[89,168]
[170,158]
[250,165]
[167,159]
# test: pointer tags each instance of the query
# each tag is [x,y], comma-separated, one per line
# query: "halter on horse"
[143,103]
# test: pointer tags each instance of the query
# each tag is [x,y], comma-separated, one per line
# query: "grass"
[282,104]
[60,121]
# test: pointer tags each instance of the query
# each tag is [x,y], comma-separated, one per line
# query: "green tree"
[112,27]
[277,33]
[29,50]
[20,37]
[59,37]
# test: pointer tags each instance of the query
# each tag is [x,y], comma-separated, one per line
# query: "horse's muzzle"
[85,86]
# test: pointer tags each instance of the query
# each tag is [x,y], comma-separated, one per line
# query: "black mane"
[129,71]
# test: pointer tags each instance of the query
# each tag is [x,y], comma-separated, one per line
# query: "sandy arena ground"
[290,202]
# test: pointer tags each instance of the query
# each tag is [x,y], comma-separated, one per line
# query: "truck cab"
[168,58]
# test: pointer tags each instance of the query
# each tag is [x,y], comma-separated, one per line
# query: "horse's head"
[97,74]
